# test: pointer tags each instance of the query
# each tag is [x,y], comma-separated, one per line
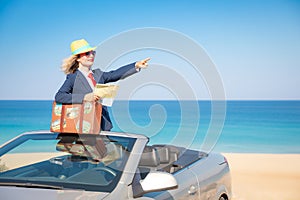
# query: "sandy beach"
[254,176]
[265,176]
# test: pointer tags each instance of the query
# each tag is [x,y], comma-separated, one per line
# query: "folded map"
[106,92]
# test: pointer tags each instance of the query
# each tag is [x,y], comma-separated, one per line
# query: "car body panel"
[15,193]
[195,184]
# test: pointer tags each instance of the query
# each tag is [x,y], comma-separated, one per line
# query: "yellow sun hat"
[81,46]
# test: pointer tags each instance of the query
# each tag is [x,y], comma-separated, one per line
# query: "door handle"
[192,190]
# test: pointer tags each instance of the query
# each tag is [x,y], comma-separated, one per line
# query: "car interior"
[167,158]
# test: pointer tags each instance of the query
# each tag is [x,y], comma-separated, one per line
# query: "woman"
[81,79]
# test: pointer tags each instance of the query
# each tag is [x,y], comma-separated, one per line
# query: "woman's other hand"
[91,97]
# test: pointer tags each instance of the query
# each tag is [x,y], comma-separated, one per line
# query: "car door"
[188,187]
[209,176]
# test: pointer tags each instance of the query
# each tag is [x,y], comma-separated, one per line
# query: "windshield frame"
[127,144]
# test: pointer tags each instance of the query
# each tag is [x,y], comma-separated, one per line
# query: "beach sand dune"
[265,176]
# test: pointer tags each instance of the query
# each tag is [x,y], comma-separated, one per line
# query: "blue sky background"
[255,45]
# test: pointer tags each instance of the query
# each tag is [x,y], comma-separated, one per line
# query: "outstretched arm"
[125,71]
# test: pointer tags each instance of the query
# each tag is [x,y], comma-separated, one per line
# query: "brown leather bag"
[76,118]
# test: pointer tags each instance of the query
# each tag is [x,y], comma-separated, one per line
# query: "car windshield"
[51,160]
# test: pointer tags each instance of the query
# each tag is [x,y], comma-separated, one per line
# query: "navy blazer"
[76,87]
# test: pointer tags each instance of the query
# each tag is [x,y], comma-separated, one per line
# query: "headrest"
[149,157]
[164,153]
[173,151]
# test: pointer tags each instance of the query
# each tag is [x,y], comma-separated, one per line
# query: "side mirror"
[158,181]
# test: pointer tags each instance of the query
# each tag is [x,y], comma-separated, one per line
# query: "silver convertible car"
[45,165]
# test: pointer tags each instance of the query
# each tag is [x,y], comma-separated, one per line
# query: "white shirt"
[85,74]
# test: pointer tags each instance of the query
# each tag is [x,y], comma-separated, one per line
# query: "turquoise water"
[249,126]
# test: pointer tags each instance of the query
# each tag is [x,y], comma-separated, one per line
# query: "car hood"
[16,193]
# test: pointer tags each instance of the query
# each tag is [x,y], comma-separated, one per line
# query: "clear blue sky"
[255,45]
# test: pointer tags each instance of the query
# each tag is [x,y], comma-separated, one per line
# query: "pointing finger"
[146,60]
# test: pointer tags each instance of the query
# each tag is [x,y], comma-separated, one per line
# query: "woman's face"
[87,59]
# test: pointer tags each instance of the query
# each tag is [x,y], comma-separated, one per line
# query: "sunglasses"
[89,53]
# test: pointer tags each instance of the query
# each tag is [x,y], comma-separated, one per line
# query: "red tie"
[92,78]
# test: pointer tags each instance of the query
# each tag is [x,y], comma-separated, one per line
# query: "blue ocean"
[244,127]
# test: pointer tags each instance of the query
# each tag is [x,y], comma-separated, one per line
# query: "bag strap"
[62,116]
[81,117]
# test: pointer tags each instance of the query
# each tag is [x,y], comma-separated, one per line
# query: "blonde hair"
[70,64]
